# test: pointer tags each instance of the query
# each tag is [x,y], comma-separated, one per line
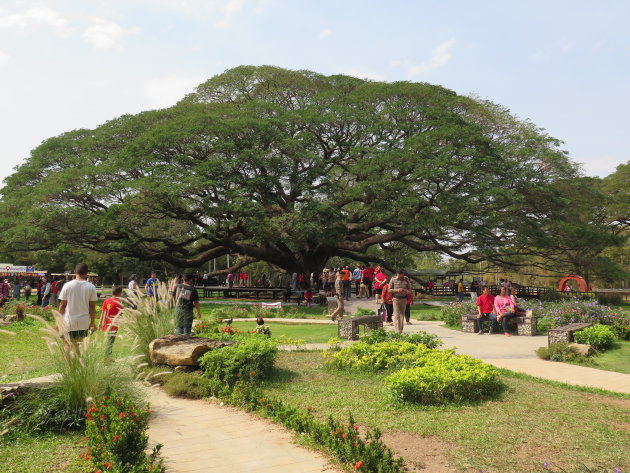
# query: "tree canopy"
[291,168]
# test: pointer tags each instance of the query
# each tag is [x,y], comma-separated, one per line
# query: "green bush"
[444,377]
[361,453]
[187,385]
[381,335]
[36,411]
[117,439]
[250,358]
[561,352]
[600,336]
[377,356]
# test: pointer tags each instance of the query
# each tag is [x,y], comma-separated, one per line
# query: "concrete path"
[517,354]
[202,436]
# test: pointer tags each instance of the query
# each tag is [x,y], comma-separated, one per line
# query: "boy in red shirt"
[485,310]
[109,311]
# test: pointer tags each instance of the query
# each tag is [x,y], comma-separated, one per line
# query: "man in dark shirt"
[485,310]
[186,298]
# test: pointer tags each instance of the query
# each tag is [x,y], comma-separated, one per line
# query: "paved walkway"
[517,354]
[202,436]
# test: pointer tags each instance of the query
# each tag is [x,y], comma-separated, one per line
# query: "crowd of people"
[497,309]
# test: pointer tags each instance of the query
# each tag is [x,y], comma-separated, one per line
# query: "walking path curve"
[517,354]
[202,436]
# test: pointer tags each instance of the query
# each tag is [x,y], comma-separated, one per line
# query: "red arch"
[572,277]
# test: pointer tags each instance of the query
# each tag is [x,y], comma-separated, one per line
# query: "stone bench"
[525,325]
[348,328]
[565,333]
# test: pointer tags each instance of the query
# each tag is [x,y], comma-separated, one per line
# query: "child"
[109,311]
[308,296]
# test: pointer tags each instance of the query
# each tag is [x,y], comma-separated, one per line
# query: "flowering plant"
[116,434]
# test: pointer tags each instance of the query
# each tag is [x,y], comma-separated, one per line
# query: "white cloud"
[439,57]
[4,58]
[33,16]
[325,33]
[166,91]
[364,74]
[230,8]
[105,34]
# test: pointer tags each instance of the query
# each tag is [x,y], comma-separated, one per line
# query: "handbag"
[382,311]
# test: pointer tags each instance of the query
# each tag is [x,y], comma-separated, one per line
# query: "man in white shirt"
[78,304]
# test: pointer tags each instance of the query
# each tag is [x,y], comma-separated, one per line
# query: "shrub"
[187,385]
[600,336]
[366,453]
[249,359]
[442,378]
[424,338]
[146,318]
[116,435]
[363,311]
[561,352]
[263,330]
[37,410]
[452,314]
[376,356]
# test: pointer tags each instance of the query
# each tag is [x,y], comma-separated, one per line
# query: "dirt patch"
[623,403]
[421,454]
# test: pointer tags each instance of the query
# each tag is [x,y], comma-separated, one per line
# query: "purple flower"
[618,470]
[546,465]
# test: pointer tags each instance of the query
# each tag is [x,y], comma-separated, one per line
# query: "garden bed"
[537,422]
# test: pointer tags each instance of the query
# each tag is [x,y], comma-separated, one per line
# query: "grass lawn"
[246,311]
[530,423]
[616,358]
[425,312]
[24,355]
[310,333]
[50,452]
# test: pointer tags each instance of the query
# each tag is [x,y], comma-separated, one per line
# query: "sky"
[564,65]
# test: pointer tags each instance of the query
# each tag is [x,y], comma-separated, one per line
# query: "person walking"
[460,290]
[368,275]
[27,291]
[345,278]
[152,284]
[399,287]
[17,288]
[186,299]
[357,275]
[380,278]
[77,304]
[338,313]
[46,291]
[109,311]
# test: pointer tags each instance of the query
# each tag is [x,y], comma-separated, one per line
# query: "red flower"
[102,416]
[358,465]
[116,437]
[122,415]
[107,465]
[344,435]
[355,444]
[355,427]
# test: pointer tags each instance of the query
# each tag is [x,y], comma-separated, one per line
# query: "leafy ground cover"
[534,422]
[254,310]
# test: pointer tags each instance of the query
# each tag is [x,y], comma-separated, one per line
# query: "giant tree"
[291,168]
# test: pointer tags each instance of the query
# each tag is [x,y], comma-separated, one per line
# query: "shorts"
[74,334]
[378,291]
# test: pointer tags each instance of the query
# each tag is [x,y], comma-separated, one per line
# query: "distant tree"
[292,168]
